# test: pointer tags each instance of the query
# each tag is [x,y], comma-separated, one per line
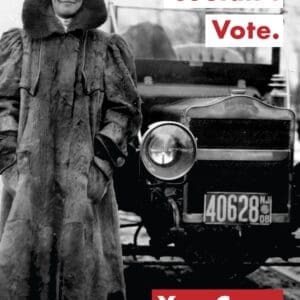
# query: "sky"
[10,14]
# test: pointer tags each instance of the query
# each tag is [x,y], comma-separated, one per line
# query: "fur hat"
[39,19]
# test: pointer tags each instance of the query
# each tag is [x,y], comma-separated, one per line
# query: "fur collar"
[40,21]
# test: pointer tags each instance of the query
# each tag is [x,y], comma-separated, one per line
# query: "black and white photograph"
[149,150]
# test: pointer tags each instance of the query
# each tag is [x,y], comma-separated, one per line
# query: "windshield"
[178,35]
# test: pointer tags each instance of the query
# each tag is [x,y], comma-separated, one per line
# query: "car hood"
[173,110]
[230,107]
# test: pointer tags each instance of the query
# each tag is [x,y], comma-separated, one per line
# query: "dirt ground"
[141,279]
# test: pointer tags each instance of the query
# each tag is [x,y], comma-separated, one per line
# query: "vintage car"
[212,176]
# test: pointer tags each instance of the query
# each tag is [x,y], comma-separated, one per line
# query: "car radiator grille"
[241,134]
[271,177]
[223,176]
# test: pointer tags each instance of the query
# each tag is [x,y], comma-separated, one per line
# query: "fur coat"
[68,107]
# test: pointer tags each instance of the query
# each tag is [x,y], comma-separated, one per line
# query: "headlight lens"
[163,148]
[168,150]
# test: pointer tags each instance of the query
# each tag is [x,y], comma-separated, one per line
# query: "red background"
[214,294]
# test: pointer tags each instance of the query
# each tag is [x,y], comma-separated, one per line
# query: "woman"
[68,107]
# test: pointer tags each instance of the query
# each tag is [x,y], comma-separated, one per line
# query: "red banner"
[217,295]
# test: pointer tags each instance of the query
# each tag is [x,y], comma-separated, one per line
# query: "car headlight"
[168,150]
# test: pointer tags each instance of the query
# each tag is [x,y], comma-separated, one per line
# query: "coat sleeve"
[122,104]
[10,73]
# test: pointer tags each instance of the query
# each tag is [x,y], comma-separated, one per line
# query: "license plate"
[237,208]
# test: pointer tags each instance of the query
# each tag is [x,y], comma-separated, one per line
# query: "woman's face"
[66,8]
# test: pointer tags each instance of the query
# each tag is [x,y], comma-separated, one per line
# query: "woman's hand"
[97,183]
